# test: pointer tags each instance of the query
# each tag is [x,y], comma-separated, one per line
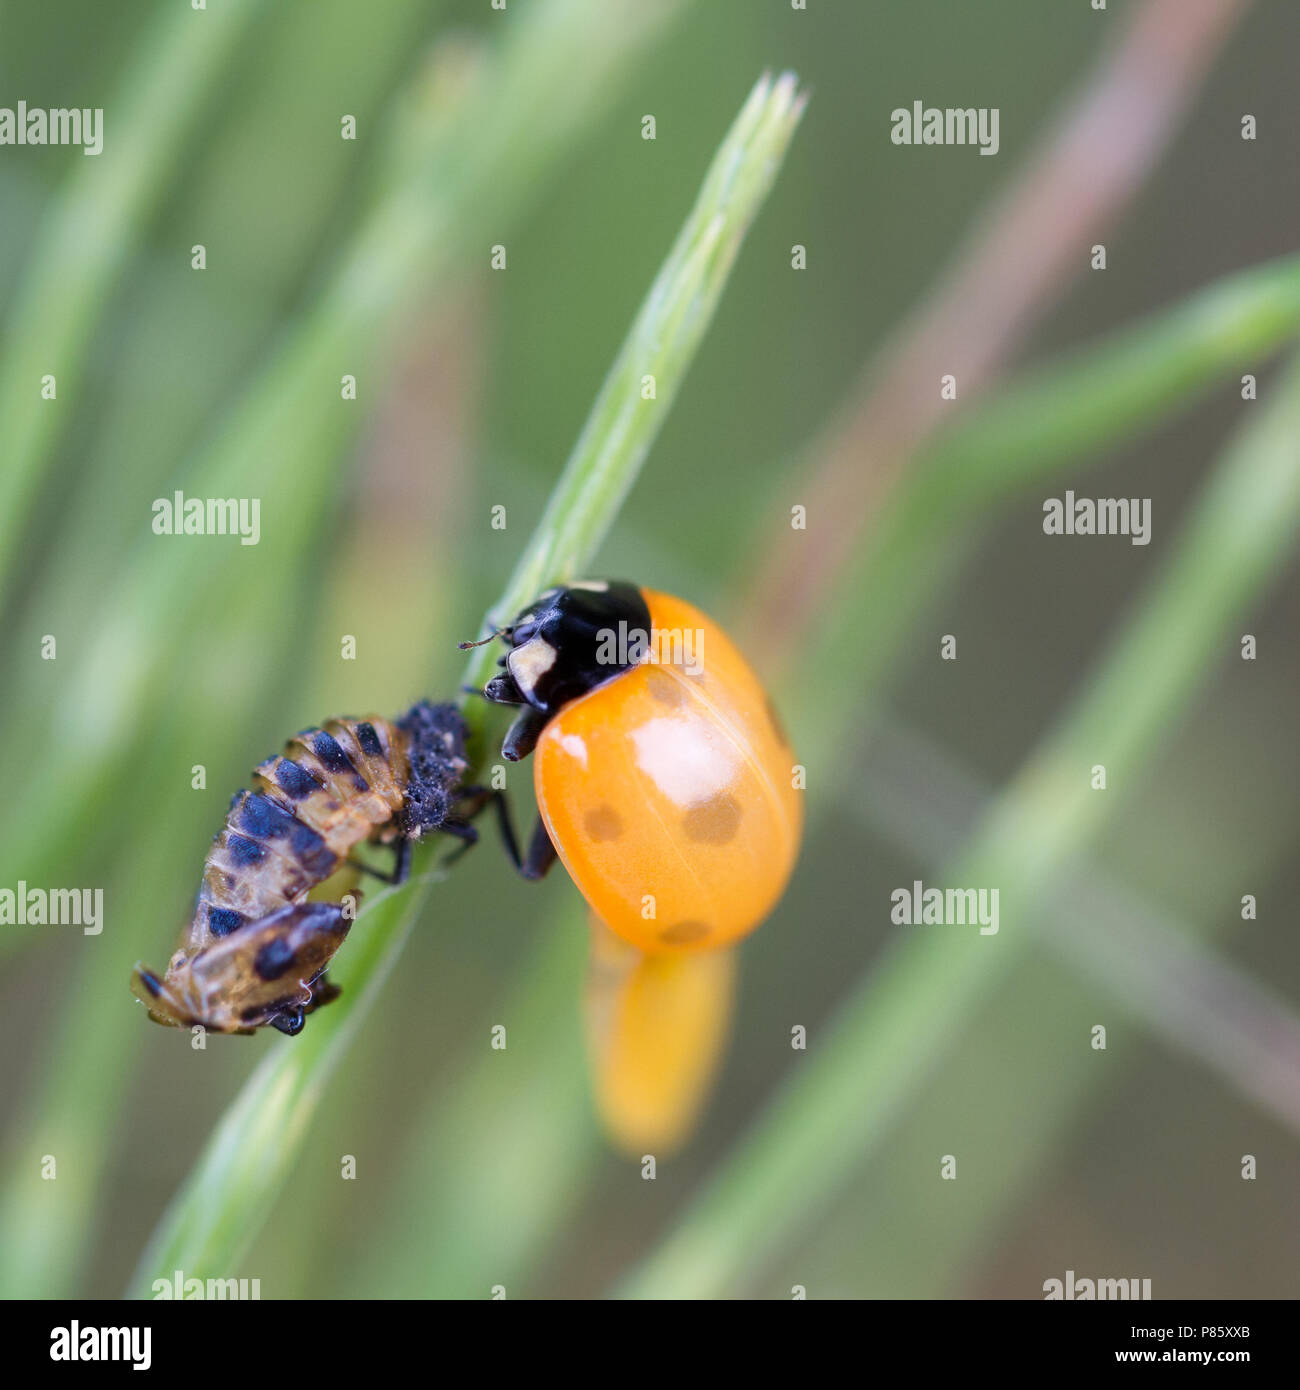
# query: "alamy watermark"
[53,907]
[179,515]
[35,125]
[949,125]
[1098,516]
[77,1343]
[661,646]
[956,907]
[1077,1289]
[178,1287]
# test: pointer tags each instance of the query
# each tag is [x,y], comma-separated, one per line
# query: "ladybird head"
[569,641]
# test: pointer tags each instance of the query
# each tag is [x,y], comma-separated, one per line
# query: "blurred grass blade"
[483,162]
[1065,413]
[672,320]
[1098,395]
[470,168]
[461,1218]
[889,1032]
[911,793]
[1149,961]
[221,1206]
[90,232]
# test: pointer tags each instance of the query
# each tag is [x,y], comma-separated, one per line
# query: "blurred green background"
[472,386]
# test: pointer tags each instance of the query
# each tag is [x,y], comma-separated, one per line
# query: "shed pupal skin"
[256,952]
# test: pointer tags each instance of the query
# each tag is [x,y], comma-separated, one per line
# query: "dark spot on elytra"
[681,933]
[368,740]
[263,819]
[360,783]
[294,779]
[312,852]
[151,982]
[223,920]
[715,822]
[245,852]
[603,823]
[327,749]
[273,959]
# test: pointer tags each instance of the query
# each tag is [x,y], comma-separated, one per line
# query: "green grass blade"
[483,163]
[488,1173]
[1099,395]
[662,342]
[1065,414]
[437,211]
[91,231]
[1161,972]
[228,1194]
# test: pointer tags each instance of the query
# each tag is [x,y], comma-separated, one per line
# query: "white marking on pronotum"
[529,663]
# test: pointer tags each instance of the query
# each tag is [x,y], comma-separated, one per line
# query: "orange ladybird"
[664,781]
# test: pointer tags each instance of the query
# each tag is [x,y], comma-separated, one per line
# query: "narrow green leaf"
[90,231]
[227,1196]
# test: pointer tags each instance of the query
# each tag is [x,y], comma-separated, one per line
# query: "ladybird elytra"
[664,781]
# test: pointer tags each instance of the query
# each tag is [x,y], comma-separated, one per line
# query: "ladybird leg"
[523,734]
[506,828]
[541,853]
[502,690]
[478,797]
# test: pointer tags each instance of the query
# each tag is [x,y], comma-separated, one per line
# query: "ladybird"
[663,777]
[256,952]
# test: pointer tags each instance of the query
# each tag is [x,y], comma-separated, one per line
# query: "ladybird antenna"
[482,642]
